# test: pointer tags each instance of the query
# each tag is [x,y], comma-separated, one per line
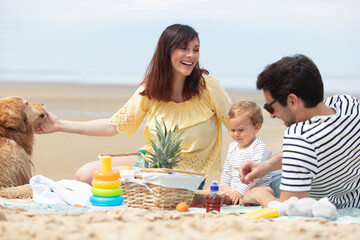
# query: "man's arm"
[250,170]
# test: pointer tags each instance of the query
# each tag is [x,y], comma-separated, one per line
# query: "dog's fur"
[17,121]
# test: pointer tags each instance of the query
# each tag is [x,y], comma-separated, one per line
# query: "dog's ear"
[13,116]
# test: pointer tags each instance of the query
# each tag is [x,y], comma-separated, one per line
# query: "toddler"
[245,120]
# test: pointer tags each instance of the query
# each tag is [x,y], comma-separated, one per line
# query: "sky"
[112,41]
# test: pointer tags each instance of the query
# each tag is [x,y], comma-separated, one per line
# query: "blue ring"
[106,201]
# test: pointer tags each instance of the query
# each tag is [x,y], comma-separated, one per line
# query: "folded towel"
[72,192]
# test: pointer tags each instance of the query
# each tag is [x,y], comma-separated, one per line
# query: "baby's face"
[243,130]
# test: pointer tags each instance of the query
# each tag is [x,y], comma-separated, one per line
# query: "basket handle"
[118,154]
[126,154]
[161,170]
[169,170]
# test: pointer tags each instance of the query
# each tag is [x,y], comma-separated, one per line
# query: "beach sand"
[141,224]
[58,156]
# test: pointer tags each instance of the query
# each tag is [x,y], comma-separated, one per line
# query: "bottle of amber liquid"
[213,199]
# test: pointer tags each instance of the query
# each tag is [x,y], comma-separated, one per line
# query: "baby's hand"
[236,197]
[226,189]
[226,199]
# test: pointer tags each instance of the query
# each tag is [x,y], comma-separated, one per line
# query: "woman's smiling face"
[185,57]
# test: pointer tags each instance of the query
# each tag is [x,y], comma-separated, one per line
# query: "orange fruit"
[182,207]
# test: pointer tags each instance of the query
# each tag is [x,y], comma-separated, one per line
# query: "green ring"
[109,192]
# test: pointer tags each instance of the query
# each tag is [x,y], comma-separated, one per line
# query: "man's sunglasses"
[268,107]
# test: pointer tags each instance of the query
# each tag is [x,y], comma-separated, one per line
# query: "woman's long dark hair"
[159,76]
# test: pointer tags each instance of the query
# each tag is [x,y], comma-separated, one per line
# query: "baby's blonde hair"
[246,107]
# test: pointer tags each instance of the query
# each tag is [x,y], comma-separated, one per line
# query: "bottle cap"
[214,186]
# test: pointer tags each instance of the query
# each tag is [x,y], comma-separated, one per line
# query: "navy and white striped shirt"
[322,155]
[256,152]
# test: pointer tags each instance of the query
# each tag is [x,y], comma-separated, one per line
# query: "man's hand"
[249,171]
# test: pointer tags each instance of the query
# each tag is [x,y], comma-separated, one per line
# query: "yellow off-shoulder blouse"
[199,118]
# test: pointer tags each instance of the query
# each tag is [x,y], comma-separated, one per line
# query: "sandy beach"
[136,224]
[58,156]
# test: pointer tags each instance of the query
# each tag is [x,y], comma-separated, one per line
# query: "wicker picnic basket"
[139,196]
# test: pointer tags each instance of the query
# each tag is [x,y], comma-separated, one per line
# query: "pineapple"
[166,148]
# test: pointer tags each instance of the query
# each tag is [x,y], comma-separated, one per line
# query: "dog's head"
[18,114]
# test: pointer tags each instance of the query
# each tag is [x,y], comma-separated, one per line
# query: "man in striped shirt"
[321,146]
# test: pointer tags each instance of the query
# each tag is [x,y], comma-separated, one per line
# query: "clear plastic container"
[140,161]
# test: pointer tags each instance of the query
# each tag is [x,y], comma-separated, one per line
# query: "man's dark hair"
[298,75]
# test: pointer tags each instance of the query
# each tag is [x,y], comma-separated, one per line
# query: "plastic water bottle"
[140,162]
[213,199]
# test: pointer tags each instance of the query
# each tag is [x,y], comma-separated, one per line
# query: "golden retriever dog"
[18,118]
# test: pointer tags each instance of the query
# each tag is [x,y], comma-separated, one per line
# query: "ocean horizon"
[332,84]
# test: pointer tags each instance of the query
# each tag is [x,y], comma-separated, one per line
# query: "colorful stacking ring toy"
[106,184]
[106,201]
[103,192]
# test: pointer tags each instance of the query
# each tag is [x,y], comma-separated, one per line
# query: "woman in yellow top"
[175,89]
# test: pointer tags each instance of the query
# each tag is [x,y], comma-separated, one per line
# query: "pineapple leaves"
[166,148]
